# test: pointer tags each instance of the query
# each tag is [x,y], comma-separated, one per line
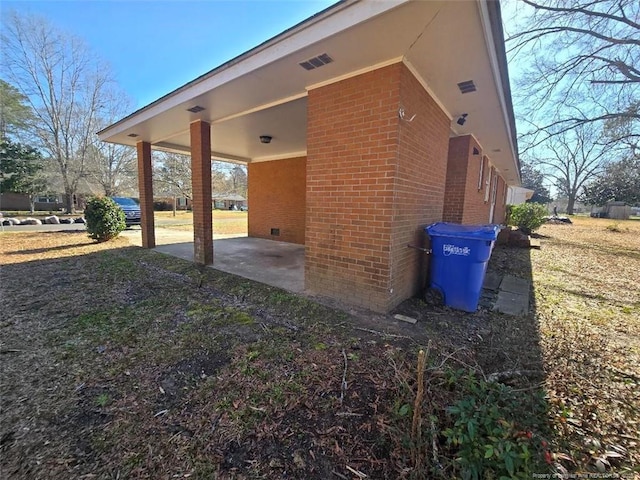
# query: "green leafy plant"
[527,216]
[105,219]
[487,439]
[103,400]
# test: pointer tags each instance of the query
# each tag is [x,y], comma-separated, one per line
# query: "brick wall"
[464,202]
[501,201]
[476,209]
[276,192]
[419,184]
[373,183]
[456,179]
[352,146]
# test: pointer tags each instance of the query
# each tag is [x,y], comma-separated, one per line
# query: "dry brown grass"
[224,222]
[120,362]
[587,293]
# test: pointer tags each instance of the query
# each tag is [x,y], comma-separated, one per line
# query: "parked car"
[131,209]
[244,208]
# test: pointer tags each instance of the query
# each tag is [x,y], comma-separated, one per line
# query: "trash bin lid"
[474,232]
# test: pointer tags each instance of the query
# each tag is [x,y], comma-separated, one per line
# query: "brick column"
[145,186]
[201,181]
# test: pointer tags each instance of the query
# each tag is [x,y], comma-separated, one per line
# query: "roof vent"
[467,87]
[195,109]
[316,62]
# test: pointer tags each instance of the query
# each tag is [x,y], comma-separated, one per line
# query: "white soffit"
[264,93]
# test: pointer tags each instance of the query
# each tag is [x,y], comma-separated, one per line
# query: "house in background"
[359,127]
[518,195]
[228,201]
[20,202]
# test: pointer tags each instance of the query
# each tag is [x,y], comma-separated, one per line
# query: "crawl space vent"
[467,87]
[316,62]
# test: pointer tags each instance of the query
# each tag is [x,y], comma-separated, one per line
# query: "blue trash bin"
[460,254]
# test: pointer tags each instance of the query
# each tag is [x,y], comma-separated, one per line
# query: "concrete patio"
[278,264]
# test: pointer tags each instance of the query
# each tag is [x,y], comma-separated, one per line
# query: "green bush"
[490,433]
[527,216]
[105,219]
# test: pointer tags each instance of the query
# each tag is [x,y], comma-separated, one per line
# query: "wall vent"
[467,87]
[275,232]
[195,109]
[316,62]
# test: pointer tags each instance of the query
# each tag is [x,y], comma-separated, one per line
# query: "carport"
[344,122]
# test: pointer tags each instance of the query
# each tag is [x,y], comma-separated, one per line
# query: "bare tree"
[172,173]
[113,167]
[572,158]
[64,84]
[238,180]
[582,65]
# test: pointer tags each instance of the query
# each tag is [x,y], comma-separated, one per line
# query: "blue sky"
[155,46]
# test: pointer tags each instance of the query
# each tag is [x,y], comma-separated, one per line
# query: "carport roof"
[264,91]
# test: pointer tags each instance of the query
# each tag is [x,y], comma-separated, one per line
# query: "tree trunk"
[571,200]
[32,204]
[68,200]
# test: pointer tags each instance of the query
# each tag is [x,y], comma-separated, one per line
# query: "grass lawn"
[119,362]
[225,222]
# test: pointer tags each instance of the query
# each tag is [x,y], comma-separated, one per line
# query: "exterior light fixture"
[265,138]
[462,118]
[133,135]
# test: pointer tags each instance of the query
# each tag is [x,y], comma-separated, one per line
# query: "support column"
[201,182]
[145,186]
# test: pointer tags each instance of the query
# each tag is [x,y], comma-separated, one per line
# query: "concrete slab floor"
[278,264]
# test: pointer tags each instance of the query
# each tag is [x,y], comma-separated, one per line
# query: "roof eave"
[495,23]
[331,10]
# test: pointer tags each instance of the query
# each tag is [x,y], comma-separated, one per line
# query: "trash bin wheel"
[433,296]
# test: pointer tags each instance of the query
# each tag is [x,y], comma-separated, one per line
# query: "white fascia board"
[495,69]
[316,29]
[284,156]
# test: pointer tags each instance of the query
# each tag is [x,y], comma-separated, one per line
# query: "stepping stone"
[492,281]
[515,285]
[512,303]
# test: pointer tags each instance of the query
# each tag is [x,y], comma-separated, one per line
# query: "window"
[487,184]
[47,199]
[494,187]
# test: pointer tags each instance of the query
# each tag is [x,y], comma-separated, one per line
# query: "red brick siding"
[501,201]
[455,189]
[373,183]
[201,185]
[352,148]
[145,187]
[464,202]
[476,210]
[277,191]
[419,184]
